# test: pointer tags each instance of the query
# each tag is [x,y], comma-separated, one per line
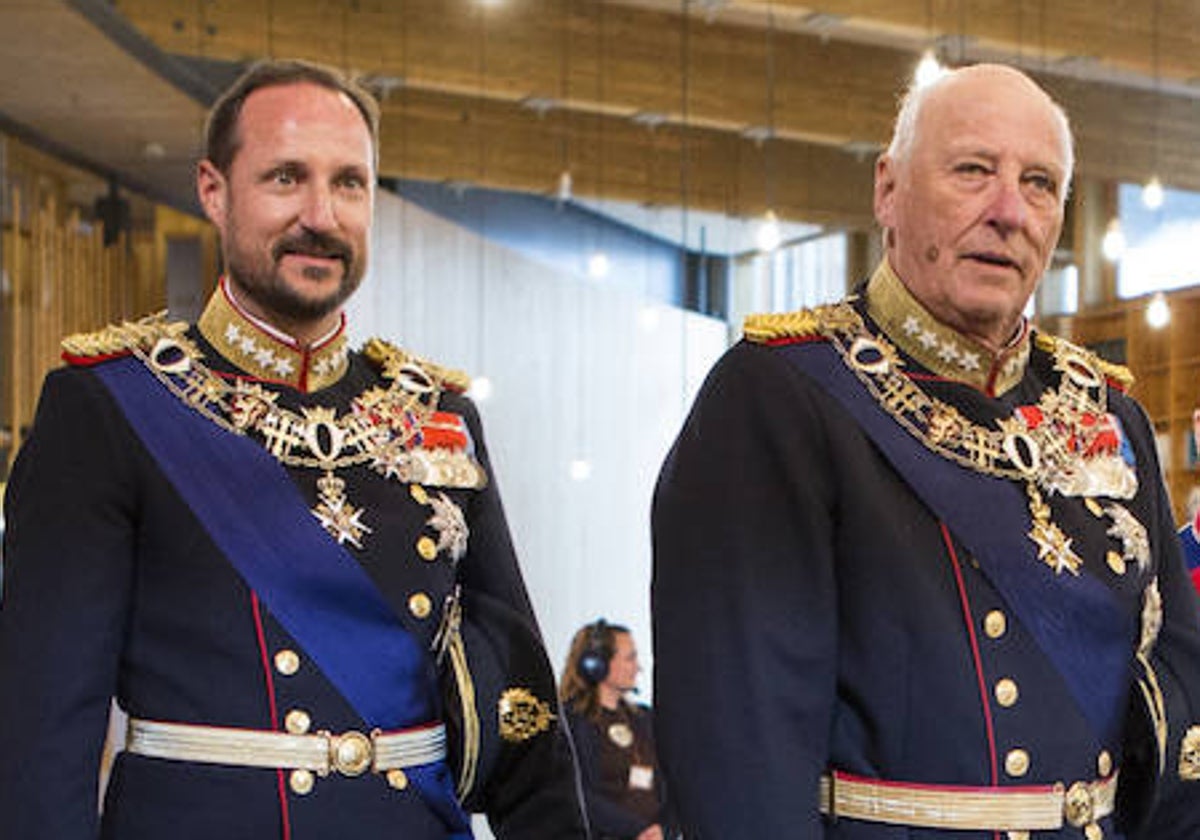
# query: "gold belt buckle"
[351,753]
[1079,804]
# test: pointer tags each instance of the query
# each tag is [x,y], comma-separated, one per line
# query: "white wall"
[578,370]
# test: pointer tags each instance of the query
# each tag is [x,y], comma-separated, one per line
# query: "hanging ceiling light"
[928,70]
[564,185]
[1113,244]
[598,265]
[1152,193]
[580,469]
[1158,311]
[768,235]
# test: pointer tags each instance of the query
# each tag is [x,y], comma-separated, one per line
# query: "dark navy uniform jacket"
[812,614]
[113,589]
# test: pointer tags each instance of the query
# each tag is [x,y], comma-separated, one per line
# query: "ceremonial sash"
[257,518]
[1073,619]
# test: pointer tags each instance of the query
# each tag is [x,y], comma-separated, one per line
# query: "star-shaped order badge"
[451,526]
[336,515]
[1054,547]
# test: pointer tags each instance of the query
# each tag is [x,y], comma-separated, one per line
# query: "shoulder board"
[121,339]
[771,326]
[1119,375]
[389,358]
[818,322]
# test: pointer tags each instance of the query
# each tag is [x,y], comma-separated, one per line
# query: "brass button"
[418,493]
[995,624]
[297,722]
[1116,562]
[301,782]
[287,662]
[1016,763]
[420,605]
[397,778]
[1104,764]
[1006,692]
[427,548]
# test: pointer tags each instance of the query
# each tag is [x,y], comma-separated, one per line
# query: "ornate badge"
[1189,755]
[522,715]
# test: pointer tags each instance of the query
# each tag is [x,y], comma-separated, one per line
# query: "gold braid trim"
[802,323]
[470,721]
[389,358]
[772,325]
[118,339]
[1119,374]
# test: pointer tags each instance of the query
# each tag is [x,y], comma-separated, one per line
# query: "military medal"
[384,428]
[335,514]
[1067,443]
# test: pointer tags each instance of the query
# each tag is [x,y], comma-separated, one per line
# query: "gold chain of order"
[1041,453]
[379,418]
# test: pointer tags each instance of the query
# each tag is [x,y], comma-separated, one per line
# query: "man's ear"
[213,191]
[885,190]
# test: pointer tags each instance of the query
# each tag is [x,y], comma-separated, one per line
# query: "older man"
[915,571]
[272,551]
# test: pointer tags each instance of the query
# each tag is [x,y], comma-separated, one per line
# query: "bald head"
[962,84]
[972,193]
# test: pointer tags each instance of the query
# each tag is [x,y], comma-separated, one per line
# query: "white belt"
[349,753]
[1034,808]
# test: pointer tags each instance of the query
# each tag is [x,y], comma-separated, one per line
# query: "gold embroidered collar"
[944,351]
[265,352]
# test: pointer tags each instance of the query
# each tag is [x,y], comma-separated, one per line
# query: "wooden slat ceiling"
[725,105]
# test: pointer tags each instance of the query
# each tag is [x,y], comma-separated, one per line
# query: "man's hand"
[654,832]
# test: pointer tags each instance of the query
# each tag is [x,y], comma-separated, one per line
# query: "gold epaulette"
[390,358]
[823,320]
[118,339]
[775,325]
[1119,374]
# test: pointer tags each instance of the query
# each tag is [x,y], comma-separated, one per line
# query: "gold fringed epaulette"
[121,339]
[802,323]
[1119,374]
[390,358]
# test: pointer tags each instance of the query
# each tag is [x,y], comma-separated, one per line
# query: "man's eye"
[284,177]
[1043,183]
[971,168]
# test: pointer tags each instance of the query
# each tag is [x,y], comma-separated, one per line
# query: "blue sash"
[1074,619]
[255,515]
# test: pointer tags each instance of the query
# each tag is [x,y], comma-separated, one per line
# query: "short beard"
[264,285]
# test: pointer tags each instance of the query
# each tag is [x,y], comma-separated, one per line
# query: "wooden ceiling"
[725,105]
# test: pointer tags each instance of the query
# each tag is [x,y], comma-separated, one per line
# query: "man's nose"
[318,212]
[1008,208]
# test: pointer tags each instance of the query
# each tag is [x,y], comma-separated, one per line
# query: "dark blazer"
[811,613]
[113,589]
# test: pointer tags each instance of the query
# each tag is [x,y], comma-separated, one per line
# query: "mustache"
[312,243]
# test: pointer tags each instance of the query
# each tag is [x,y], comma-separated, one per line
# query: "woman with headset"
[613,736]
